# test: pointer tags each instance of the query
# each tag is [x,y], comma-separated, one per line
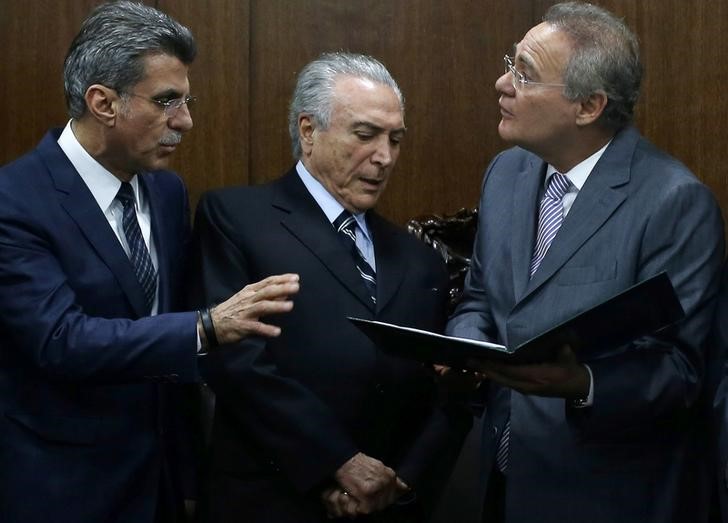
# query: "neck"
[93,138]
[570,153]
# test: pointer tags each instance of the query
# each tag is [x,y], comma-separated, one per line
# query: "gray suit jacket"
[636,455]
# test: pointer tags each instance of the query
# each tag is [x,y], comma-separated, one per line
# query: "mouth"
[170,141]
[505,113]
[372,183]
[167,149]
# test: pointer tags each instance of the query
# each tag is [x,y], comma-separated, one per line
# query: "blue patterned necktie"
[550,217]
[345,225]
[138,252]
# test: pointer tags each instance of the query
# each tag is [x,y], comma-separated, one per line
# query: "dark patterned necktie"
[345,225]
[138,252]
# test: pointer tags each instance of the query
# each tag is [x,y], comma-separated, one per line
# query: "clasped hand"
[364,485]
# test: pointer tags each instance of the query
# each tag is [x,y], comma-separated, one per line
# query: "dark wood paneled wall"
[445,55]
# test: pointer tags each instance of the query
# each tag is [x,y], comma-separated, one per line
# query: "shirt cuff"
[589,400]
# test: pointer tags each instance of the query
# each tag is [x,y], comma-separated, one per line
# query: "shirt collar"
[103,185]
[329,205]
[578,174]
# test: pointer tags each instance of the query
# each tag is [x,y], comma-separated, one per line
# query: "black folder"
[640,310]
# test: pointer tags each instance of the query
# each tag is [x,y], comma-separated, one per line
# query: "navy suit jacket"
[82,414]
[638,454]
[717,397]
[291,410]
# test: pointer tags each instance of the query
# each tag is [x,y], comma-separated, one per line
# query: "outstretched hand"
[239,316]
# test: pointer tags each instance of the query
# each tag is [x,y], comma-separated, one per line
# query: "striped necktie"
[345,225]
[550,216]
[138,252]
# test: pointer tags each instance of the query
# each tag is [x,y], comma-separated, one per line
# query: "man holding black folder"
[580,209]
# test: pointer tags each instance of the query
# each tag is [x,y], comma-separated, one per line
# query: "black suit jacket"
[292,410]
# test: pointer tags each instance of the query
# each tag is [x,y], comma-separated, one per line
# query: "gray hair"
[605,58]
[111,46]
[314,90]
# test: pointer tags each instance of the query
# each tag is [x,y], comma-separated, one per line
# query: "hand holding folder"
[637,311]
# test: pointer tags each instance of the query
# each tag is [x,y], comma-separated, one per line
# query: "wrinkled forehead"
[544,48]
[364,98]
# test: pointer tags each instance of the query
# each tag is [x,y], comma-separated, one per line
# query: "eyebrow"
[375,128]
[168,93]
[525,60]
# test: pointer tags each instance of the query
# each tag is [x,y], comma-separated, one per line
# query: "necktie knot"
[126,194]
[345,223]
[558,186]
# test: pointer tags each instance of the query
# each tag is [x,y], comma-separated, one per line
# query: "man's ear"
[306,130]
[591,108]
[103,104]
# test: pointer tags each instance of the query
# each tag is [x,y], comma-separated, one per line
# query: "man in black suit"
[319,421]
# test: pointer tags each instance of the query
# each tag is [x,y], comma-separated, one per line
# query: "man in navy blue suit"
[93,234]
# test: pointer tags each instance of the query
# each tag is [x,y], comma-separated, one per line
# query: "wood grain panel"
[35,35]
[445,56]
[215,153]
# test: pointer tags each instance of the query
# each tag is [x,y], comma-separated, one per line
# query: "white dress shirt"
[332,209]
[104,186]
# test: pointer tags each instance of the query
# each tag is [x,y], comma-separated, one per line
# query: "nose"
[385,152]
[504,84]
[182,120]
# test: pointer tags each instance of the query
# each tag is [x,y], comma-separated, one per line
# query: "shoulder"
[236,206]
[225,199]
[406,243]
[513,158]
[664,177]
[167,183]
[22,171]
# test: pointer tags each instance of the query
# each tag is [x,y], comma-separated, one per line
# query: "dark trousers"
[495,498]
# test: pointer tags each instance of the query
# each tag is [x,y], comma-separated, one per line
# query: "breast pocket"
[587,274]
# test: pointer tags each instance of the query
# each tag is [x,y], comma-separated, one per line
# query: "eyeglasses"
[170,106]
[518,80]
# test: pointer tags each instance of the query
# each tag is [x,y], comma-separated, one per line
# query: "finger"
[329,498]
[348,504]
[259,328]
[401,485]
[277,279]
[265,308]
[268,292]
[441,369]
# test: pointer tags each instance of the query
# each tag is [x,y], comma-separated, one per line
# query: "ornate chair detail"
[451,235]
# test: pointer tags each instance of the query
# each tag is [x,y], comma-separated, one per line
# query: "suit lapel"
[525,217]
[305,220]
[79,203]
[390,262]
[160,236]
[597,201]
